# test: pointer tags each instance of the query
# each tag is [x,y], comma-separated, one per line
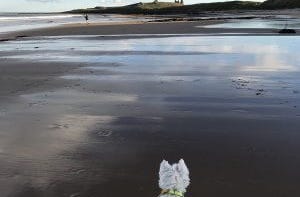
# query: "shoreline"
[132,28]
[161,24]
[113,28]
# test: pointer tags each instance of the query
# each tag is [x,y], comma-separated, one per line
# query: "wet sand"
[138,28]
[94,116]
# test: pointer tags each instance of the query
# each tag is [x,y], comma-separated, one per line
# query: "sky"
[63,5]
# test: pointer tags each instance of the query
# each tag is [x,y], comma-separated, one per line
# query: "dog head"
[174,176]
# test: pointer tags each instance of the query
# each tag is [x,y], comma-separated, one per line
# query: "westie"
[173,179]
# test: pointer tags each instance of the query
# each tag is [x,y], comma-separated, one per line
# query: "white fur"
[174,176]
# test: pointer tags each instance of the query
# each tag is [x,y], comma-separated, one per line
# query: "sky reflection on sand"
[132,101]
[245,53]
[209,59]
[278,23]
[46,128]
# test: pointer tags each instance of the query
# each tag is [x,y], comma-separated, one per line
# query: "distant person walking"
[86,16]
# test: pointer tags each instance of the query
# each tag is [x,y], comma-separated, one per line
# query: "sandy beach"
[91,110]
[159,28]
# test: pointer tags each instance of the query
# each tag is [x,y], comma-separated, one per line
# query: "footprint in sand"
[37,104]
[80,171]
[240,83]
[260,92]
[244,85]
[58,126]
[104,133]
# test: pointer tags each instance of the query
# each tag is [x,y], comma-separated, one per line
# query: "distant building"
[176,1]
[179,1]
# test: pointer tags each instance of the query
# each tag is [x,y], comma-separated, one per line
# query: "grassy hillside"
[138,8]
[279,4]
[217,6]
[158,5]
[176,8]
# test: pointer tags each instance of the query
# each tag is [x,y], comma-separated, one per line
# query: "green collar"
[173,192]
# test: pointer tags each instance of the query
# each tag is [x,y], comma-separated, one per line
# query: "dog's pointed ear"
[164,165]
[184,172]
[182,167]
[164,175]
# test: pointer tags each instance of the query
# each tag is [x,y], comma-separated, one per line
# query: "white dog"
[173,179]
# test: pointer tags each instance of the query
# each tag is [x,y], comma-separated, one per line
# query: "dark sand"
[138,28]
[71,137]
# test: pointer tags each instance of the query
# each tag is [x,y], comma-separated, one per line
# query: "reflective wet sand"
[276,23]
[94,117]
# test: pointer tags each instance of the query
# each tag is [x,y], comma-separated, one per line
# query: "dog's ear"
[184,173]
[165,175]
[182,167]
[164,166]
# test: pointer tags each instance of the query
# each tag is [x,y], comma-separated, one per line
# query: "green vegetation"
[280,4]
[177,8]
[138,8]
[158,5]
[217,6]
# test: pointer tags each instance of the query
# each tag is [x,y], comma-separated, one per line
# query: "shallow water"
[227,54]
[228,105]
[276,23]
[15,21]
[231,65]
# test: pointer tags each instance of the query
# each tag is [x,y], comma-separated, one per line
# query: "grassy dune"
[176,8]
[277,4]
